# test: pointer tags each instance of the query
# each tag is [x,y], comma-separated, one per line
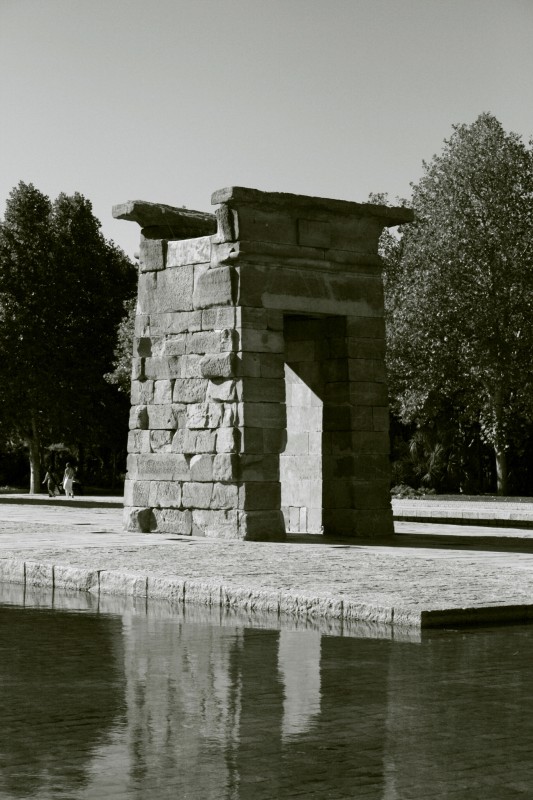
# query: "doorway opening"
[317,398]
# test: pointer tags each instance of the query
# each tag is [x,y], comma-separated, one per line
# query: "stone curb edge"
[283,603]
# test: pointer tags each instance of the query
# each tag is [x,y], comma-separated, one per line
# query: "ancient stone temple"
[259,396]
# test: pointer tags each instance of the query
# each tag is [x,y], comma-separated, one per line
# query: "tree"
[62,290]
[459,289]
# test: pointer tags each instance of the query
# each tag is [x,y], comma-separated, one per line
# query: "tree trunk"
[501,472]
[35,459]
[499,446]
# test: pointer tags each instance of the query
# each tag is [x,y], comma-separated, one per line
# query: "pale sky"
[169,100]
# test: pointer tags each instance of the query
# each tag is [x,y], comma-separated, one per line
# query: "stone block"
[165,368]
[191,366]
[260,467]
[201,441]
[228,440]
[36,574]
[256,224]
[337,493]
[142,325]
[172,520]
[137,369]
[189,390]
[264,526]
[114,582]
[168,290]
[221,365]
[373,524]
[171,589]
[226,467]
[266,390]
[139,441]
[370,442]
[314,233]
[196,494]
[160,441]
[142,392]
[263,495]
[366,348]
[214,287]
[265,415]
[136,493]
[162,392]
[152,253]
[165,417]
[216,523]
[169,323]
[158,466]
[335,370]
[138,417]
[368,393]
[211,342]
[370,495]
[217,318]
[297,444]
[262,341]
[204,415]
[222,390]
[360,327]
[11,570]
[175,345]
[138,520]
[165,494]
[189,251]
[202,467]
[76,579]
[371,466]
[380,418]
[225,495]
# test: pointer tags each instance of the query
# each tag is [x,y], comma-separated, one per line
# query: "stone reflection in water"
[160,705]
[62,691]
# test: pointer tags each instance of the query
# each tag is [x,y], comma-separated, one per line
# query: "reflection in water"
[150,705]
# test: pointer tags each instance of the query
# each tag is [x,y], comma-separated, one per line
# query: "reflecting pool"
[113,699]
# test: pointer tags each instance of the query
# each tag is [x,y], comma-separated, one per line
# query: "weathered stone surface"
[221,365]
[197,494]
[189,251]
[216,524]
[162,392]
[254,496]
[139,441]
[214,287]
[152,254]
[197,441]
[226,467]
[171,520]
[222,390]
[158,467]
[189,390]
[122,583]
[175,223]
[218,318]
[11,570]
[204,415]
[136,493]
[266,526]
[38,574]
[228,440]
[142,392]
[164,494]
[139,520]
[160,441]
[138,417]
[165,417]
[202,467]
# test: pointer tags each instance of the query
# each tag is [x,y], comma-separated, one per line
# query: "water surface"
[156,703]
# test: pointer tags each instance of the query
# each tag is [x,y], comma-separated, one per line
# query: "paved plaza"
[426,575]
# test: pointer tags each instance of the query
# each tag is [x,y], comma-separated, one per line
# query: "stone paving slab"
[422,577]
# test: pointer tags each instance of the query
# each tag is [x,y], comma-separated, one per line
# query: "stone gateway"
[259,395]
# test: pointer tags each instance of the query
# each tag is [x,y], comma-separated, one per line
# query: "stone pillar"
[218,296]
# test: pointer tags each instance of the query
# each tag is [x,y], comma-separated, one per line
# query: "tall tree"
[62,290]
[460,288]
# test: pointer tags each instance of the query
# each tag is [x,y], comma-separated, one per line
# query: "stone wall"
[220,319]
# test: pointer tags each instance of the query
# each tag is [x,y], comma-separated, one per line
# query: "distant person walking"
[51,483]
[68,480]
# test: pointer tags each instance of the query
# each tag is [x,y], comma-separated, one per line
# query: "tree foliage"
[62,290]
[459,289]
